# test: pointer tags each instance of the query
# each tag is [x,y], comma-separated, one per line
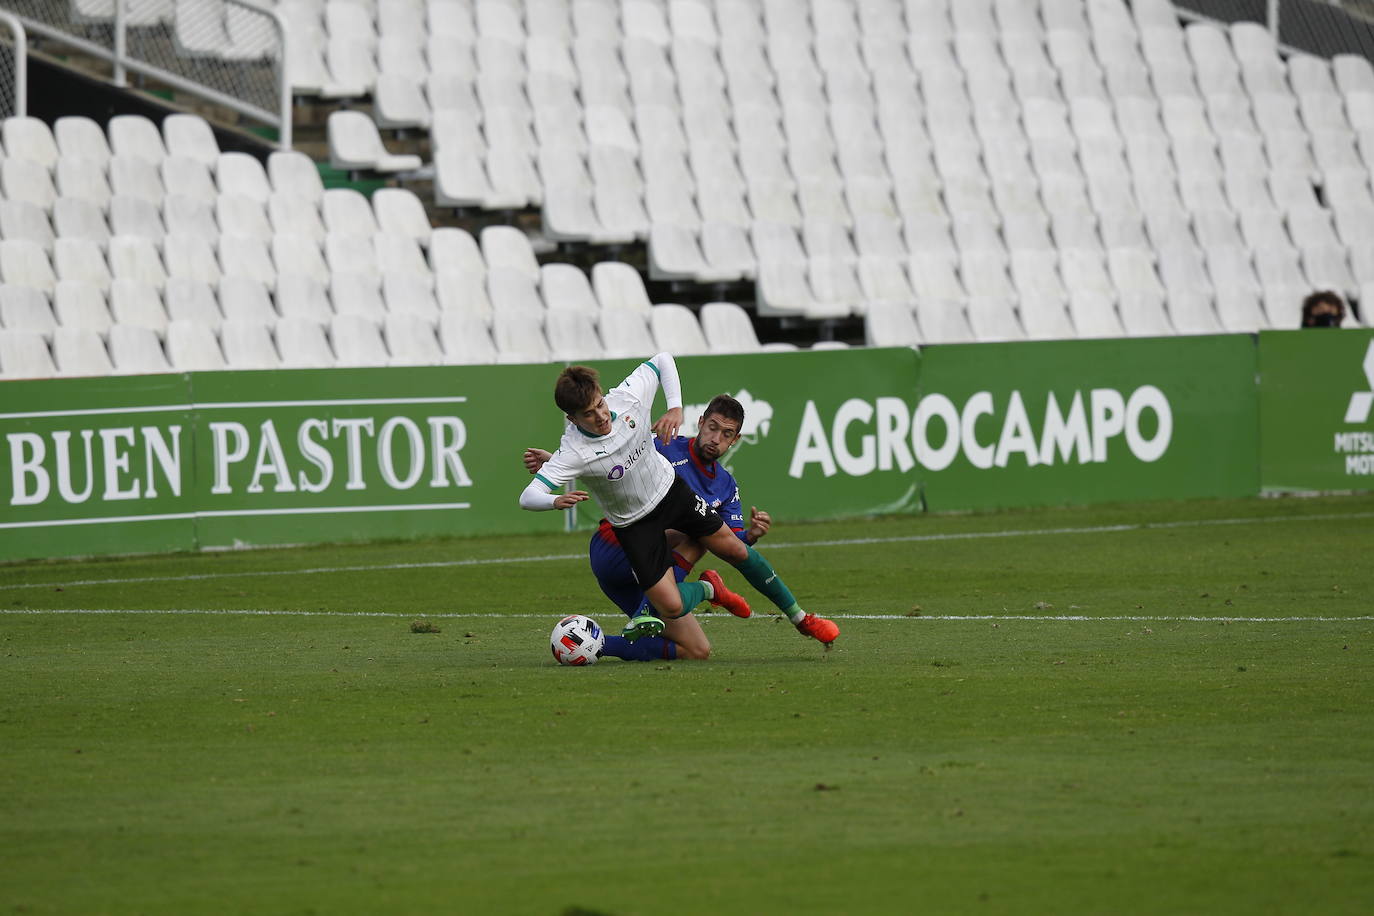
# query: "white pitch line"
[949,618]
[842,542]
[303,572]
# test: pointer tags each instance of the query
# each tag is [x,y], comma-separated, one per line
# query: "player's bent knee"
[695,651]
[667,611]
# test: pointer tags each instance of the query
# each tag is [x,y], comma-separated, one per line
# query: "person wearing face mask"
[1323,309]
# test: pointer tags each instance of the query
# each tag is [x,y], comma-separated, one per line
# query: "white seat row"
[982,319]
[181,135]
[346,340]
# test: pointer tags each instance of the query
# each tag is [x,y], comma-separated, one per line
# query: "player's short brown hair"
[725,407]
[576,388]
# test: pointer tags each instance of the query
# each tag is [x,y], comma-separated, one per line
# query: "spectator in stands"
[1323,309]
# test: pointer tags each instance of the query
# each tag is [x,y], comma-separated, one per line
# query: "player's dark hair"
[725,407]
[576,388]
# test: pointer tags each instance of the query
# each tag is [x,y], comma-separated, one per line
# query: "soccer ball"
[576,640]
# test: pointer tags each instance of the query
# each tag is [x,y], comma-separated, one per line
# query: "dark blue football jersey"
[711,482]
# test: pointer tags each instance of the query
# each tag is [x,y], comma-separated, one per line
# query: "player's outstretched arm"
[553,473]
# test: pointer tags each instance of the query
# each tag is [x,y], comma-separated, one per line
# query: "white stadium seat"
[136,304]
[248,345]
[355,145]
[190,135]
[676,330]
[193,346]
[23,308]
[466,340]
[25,354]
[23,220]
[30,138]
[136,350]
[728,329]
[77,135]
[303,345]
[135,135]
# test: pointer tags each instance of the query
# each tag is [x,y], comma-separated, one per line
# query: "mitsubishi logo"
[1362,402]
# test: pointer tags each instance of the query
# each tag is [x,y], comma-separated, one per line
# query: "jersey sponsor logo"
[619,470]
[701,506]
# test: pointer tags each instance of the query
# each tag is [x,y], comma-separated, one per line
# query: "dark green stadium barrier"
[96,466]
[246,458]
[343,454]
[1316,398]
[1062,422]
[138,464]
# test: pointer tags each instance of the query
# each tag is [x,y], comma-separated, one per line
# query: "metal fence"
[1318,27]
[232,53]
[14,71]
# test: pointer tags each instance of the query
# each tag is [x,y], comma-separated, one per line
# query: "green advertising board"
[96,466]
[226,459]
[826,433]
[178,462]
[1064,422]
[316,455]
[1316,396]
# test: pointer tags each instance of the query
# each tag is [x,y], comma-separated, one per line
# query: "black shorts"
[644,542]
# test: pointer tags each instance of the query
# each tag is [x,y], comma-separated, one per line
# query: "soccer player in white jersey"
[607,444]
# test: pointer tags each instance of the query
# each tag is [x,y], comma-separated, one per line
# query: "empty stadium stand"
[885,172]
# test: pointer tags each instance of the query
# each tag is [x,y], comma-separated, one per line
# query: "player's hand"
[667,425]
[536,458]
[759,523]
[568,500]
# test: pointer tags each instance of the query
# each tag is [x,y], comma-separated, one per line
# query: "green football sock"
[693,593]
[762,576]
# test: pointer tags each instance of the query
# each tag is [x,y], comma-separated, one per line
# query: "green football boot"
[641,625]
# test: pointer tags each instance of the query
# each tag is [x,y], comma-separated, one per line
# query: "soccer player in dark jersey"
[696,461]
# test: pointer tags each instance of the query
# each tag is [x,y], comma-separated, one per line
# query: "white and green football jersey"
[622,470]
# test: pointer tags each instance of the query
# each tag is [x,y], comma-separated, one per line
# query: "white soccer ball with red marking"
[577,640]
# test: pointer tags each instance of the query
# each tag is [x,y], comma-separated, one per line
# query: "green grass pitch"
[1156,708]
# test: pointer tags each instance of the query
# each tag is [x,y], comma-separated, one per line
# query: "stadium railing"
[1322,27]
[231,53]
[14,68]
